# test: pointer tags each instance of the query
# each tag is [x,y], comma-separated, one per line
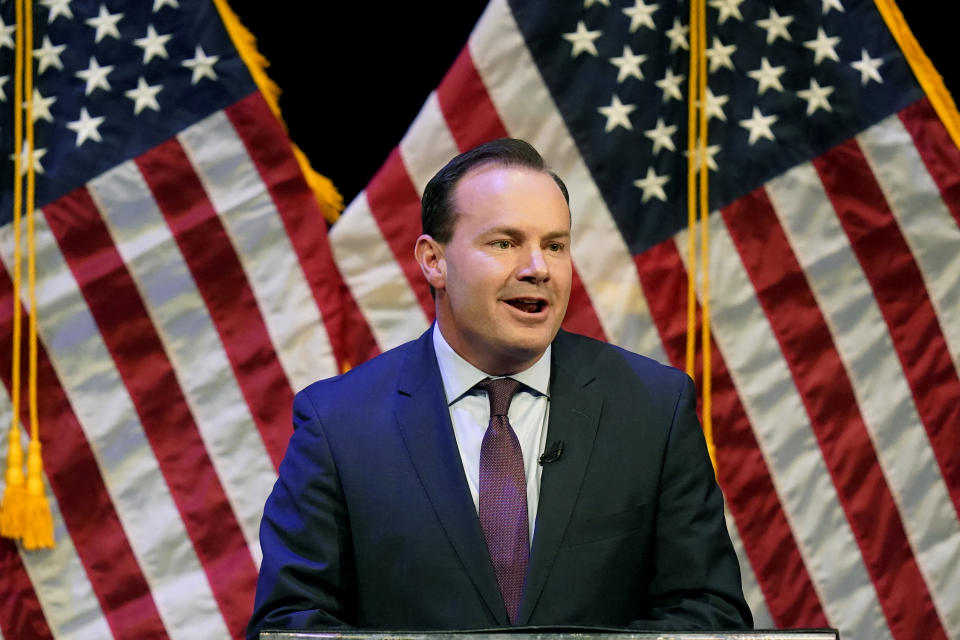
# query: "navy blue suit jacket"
[371,523]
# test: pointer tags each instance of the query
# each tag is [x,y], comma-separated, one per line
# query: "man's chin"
[524,351]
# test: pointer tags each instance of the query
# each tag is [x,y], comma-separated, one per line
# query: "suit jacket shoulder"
[611,362]
[622,380]
[344,393]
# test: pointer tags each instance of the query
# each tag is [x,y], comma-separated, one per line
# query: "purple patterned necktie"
[503,495]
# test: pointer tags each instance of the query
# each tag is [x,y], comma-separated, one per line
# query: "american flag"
[187,287]
[835,268]
[185,291]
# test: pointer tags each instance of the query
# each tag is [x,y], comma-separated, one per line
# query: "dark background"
[354,74]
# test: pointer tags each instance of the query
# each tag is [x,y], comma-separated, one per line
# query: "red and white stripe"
[922,213]
[256,230]
[890,417]
[79,485]
[186,329]
[830,408]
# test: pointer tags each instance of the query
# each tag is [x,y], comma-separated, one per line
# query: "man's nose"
[534,267]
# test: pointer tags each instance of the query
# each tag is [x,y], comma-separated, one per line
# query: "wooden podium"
[535,633]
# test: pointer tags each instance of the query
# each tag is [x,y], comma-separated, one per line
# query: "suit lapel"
[574,417]
[424,420]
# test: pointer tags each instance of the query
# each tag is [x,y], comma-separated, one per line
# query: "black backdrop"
[354,74]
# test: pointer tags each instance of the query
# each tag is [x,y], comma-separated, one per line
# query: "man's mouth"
[528,305]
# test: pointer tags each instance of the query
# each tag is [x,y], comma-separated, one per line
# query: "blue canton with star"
[787,80]
[112,80]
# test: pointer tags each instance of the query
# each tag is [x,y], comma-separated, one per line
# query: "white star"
[823,46]
[6,34]
[715,106]
[582,40]
[86,127]
[41,106]
[678,35]
[628,64]
[617,114]
[670,85]
[816,97]
[95,76]
[767,77]
[589,3]
[49,55]
[759,126]
[652,186]
[158,4]
[698,156]
[202,65]
[641,15]
[727,9]
[3,81]
[832,4]
[868,67]
[106,24]
[662,136]
[37,155]
[776,26]
[57,8]
[144,96]
[153,44]
[719,55]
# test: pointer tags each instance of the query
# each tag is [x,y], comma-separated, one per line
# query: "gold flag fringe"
[930,81]
[326,194]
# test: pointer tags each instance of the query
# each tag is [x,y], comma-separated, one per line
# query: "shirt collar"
[459,376]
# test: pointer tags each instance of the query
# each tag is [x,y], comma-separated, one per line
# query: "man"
[414,484]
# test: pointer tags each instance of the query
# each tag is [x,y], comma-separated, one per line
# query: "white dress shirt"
[470,415]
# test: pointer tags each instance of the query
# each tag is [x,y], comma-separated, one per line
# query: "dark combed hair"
[437,213]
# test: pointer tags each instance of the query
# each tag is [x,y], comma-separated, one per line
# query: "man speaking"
[497,471]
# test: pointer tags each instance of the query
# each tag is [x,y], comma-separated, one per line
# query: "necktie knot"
[500,392]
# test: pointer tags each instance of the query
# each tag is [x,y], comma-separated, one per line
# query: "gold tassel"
[37,519]
[15,493]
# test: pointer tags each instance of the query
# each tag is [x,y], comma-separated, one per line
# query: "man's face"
[504,276]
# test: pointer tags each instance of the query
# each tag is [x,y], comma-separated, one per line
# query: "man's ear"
[429,255]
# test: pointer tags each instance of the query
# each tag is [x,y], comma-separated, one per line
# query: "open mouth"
[527,305]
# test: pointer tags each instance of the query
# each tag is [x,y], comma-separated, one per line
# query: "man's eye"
[501,244]
[556,247]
